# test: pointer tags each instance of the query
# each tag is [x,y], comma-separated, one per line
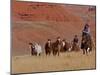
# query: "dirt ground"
[66,61]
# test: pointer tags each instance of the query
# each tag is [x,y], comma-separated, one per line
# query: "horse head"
[30,43]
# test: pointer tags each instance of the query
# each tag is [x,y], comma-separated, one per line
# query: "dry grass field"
[66,61]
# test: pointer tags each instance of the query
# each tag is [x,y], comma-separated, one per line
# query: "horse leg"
[35,53]
[46,52]
[90,49]
[53,52]
[58,53]
[49,52]
[59,48]
[86,51]
[32,53]
[39,54]
[83,51]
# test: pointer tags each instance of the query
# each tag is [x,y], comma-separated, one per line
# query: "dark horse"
[56,47]
[33,52]
[86,44]
[48,48]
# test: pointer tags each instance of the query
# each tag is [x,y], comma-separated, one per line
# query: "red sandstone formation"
[36,22]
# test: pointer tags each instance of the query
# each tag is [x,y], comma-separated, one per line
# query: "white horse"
[38,49]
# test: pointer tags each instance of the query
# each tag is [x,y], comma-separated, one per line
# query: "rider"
[75,40]
[86,30]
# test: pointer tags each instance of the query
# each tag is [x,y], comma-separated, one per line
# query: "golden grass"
[66,61]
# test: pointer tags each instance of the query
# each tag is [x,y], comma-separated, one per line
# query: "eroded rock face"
[41,12]
[37,22]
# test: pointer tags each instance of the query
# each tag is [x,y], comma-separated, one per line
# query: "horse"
[75,47]
[48,48]
[65,46]
[38,49]
[35,49]
[86,44]
[32,47]
[56,47]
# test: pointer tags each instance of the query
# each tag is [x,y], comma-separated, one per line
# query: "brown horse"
[32,47]
[75,47]
[56,47]
[65,46]
[48,48]
[86,44]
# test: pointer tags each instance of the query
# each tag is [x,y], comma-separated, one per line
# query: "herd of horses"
[57,47]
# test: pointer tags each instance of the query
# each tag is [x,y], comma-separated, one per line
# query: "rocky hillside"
[36,22]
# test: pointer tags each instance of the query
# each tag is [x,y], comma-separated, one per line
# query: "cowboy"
[75,40]
[86,30]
